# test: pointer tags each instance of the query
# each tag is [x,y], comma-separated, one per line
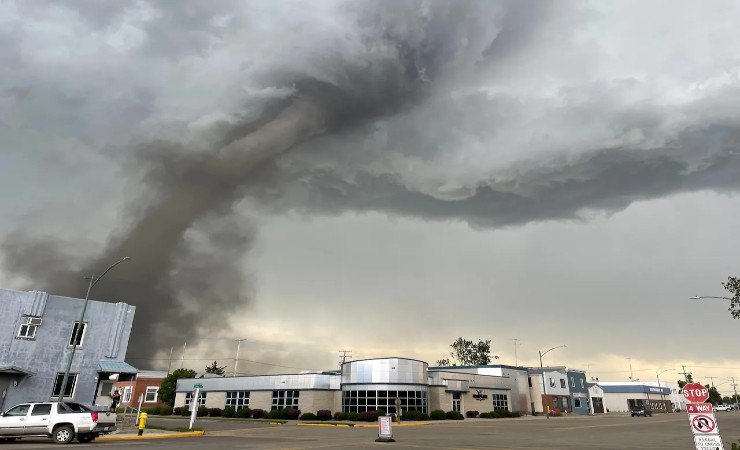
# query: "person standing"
[116,399]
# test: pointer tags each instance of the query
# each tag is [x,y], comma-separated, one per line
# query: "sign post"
[194,405]
[701,418]
[385,429]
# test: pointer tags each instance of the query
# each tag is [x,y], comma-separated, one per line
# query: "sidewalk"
[150,434]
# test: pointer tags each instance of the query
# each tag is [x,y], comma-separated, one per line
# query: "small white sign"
[705,423]
[708,442]
[385,430]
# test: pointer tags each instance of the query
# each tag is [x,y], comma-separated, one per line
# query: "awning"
[15,370]
[116,367]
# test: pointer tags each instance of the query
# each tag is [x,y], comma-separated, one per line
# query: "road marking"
[625,424]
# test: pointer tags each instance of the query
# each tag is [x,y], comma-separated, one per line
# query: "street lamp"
[93,281]
[542,370]
[701,297]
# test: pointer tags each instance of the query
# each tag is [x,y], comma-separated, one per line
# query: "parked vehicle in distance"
[59,421]
[722,407]
[641,410]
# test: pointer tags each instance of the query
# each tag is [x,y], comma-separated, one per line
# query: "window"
[127,394]
[237,399]
[562,383]
[201,399]
[572,382]
[18,411]
[577,403]
[583,383]
[151,394]
[28,327]
[43,409]
[529,380]
[500,401]
[69,389]
[78,335]
[552,382]
[285,399]
[71,408]
[372,400]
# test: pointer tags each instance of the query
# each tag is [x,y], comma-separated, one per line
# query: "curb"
[358,425]
[186,434]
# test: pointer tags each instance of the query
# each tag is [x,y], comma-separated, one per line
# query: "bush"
[323,414]
[177,411]
[485,415]
[453,415]
[229,411]
[214,412]
[308,416]
[437,414]
[165,410]
[412,415]
[202,411]
[258,413]
[293,414]
[243,413]
[277,414]
[381,412]
[341,416]
[515,414]
[370,416]
[185,411]
[471,414]
[355,416]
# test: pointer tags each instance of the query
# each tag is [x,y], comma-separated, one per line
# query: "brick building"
[145,384]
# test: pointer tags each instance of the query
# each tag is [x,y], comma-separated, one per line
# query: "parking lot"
[614,432]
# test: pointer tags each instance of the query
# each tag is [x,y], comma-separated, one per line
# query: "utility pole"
[685,374]
[236,360]
[516,357]
[712,380]
[169,363]
[734,388]
[630,360]
[182,357]
[343,355]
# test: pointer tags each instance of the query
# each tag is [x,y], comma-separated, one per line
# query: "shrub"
[214,412]
[381,412]
[229,411]
[185,411]
[437,414]
[453,415]
[243,413]
[370,416]
[165,410]
[341,416]
[293,414]
[485,415]
[355,416]
[258,413]
[308,416]
[411,415]
[515,414]
[472,414]
[177,411]
[202,411]
[323,414]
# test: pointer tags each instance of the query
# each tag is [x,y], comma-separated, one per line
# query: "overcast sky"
[559,173]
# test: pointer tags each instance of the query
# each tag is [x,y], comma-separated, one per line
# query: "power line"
[343,355]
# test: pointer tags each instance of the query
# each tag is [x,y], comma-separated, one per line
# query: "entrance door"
[38,421]
[456,402]
[4,388]
[14,421]
[598,405]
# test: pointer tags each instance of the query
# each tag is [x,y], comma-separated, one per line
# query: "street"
[614,432]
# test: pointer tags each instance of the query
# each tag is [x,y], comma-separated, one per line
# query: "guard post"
[385,429]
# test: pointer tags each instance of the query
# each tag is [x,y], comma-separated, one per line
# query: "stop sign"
[695,393]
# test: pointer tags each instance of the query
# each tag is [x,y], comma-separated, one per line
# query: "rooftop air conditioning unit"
[34,321]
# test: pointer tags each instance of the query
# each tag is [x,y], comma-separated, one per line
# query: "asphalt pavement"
[608,432]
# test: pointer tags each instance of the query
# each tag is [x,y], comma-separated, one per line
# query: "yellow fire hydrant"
[142,423]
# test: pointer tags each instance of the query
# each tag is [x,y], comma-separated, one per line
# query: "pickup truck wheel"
[85,438]
[64,435]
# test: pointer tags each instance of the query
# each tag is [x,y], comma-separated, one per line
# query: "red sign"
[703,423]
[698,408]
[695,393]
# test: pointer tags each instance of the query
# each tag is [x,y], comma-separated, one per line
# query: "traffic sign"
[198,386]
[708,442]
[698,408]
[695,393]
[703,424]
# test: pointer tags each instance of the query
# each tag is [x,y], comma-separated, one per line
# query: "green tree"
[468,353]
[733,287]
[215,368]
[167,388]
[714,397]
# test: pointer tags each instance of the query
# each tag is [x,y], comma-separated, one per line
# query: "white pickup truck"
[59,421]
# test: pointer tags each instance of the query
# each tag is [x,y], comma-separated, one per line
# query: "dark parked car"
[641,411]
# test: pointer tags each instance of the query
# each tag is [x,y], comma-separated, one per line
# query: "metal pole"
[236,360]
[182,357]
[93,282]
[544,388]
[169,363]
[194,407]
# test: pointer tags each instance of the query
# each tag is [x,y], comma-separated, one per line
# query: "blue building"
[579,398]
[36,337]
